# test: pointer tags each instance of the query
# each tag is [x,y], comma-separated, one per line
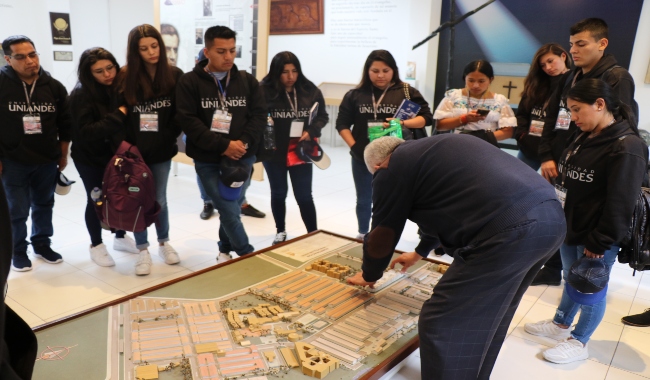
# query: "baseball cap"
[587,281]
[63,184]
[233,174]
[311,151]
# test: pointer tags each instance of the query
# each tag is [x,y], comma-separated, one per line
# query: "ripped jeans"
[590,315]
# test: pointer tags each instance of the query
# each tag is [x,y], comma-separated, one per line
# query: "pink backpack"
[128,200]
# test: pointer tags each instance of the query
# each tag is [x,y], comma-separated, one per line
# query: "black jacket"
[356,110]
[603,180]
[529,145]
[155,147]
[282,114]
[198,99]
[50,101]
[553,142]
[450,203]
[96,130]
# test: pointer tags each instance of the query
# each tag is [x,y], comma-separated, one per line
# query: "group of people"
[500,220]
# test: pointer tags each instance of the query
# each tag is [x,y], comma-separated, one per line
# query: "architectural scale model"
[306,321]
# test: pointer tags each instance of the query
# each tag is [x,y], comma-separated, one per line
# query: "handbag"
[412,133]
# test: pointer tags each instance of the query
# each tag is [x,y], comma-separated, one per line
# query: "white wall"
[398,30]
[104,23]
[639,66]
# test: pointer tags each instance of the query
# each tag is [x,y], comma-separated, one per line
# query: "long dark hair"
[134,76]
[589,90]
[87,81]
[272,79]
[383,56]
[537,86]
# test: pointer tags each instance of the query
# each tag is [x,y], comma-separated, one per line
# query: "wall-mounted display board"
[284,312]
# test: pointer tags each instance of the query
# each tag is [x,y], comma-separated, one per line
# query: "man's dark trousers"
[464,324]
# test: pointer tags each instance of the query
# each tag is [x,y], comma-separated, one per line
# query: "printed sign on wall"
[60,25]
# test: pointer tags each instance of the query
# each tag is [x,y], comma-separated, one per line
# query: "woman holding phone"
[474,109]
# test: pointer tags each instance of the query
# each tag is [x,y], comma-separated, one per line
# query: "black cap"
[233,174]
[311,151]
[587,280]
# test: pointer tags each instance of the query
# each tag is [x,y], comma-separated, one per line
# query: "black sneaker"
[208,210]
[20,262]
[249,210]
[548,276]
[47,254]
[639,320]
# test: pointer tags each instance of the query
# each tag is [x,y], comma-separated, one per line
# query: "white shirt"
[456,104]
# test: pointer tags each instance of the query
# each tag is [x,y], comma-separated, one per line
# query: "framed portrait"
[62,55]
[296,17]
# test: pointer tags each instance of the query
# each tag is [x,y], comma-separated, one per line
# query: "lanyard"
[222,92]
[375,105]
[572,152]
[31,92]
[295,100]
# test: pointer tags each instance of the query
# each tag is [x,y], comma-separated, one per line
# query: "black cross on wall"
[509,87]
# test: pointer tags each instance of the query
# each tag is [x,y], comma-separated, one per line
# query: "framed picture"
[62,55]
[297,17]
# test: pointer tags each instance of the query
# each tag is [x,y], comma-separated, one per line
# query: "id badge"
[296,128]
[563,120]
[32,124]
[561,194]
[148,122]
[536,128]
[221,122]
[375,123]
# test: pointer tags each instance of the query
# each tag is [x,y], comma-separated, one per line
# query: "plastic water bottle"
[96,196]
[269,134]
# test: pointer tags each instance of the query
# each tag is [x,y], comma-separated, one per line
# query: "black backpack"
[636,249]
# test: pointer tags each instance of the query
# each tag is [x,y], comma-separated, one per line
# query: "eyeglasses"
[105,69]
[22,57]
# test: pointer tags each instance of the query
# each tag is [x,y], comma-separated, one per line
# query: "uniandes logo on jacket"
[152,105]
[231,102]
[383,108]
[577,173]
[537,111]
[289,114]
[40,107]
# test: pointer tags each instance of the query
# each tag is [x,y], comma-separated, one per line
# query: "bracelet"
[463,119]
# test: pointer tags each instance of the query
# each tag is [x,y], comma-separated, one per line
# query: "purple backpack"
[128,199]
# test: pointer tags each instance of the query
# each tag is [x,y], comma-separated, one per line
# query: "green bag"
[394,129]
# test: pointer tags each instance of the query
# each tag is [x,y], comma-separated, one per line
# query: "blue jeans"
[363,186]
[301,179]
[30,186]
[534,164]
[204,195]
[232,236]
[590,315]
[160,173]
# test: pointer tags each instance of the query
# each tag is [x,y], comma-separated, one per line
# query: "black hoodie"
[356,109]
[283,115]
[50,101]
[198,98]
[603,179]
[96,132]
[553,142]
[160,146]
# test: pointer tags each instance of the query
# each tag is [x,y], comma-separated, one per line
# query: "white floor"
[50,292]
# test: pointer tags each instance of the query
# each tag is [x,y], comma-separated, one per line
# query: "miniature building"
[146,372]
[289,357]
[202,348]
[269,355]
[313,362]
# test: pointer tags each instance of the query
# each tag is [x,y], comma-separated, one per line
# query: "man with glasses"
[34,141]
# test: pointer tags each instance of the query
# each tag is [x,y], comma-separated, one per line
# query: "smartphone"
[483,112]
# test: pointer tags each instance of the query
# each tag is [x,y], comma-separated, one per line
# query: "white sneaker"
[361,236]
[280,237]
[125,244]
[223,257]
[143,265]
[567,351]
[548,329]
[99,254]
[169,254]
